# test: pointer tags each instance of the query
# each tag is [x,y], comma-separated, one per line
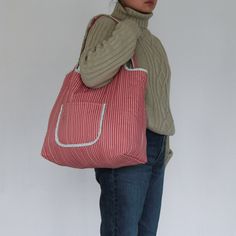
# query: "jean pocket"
[161,155]
[156,148]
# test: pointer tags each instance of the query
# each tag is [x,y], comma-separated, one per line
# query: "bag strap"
[90,24]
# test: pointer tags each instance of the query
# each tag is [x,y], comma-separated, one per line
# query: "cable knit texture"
[109,45]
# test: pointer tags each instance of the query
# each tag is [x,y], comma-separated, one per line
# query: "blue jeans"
[130,199]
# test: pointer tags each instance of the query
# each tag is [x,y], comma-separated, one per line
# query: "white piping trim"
[113,18]
[77,69]
[125,66]
[134,69]
[79,144]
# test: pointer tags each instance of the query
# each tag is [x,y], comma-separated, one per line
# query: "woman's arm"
[109,45]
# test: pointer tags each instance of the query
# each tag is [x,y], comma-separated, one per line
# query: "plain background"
[40,43]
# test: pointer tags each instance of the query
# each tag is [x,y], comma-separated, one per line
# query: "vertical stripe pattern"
[103,127]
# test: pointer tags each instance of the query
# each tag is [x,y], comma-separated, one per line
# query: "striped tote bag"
[99,128]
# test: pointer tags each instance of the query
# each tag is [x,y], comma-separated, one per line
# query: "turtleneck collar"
[122,12]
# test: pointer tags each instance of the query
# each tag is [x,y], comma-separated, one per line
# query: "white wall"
[40,42]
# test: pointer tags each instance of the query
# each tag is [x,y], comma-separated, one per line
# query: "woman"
[130,199]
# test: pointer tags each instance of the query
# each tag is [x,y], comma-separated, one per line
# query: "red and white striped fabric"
[102,127]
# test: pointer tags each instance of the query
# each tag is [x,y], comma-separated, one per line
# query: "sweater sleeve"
[109,45]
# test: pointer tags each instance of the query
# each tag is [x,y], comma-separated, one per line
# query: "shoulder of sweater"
[157,40]
[147,34]
[161,46]
[155,37]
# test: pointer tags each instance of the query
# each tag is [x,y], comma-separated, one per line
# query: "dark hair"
[115,1]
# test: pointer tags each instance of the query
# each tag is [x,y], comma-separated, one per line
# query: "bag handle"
[91,22]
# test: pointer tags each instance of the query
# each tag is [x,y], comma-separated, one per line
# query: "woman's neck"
[122,12]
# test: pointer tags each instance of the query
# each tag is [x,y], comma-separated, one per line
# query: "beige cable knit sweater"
[110,44]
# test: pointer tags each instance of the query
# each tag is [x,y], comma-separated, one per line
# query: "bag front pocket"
[79,124]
